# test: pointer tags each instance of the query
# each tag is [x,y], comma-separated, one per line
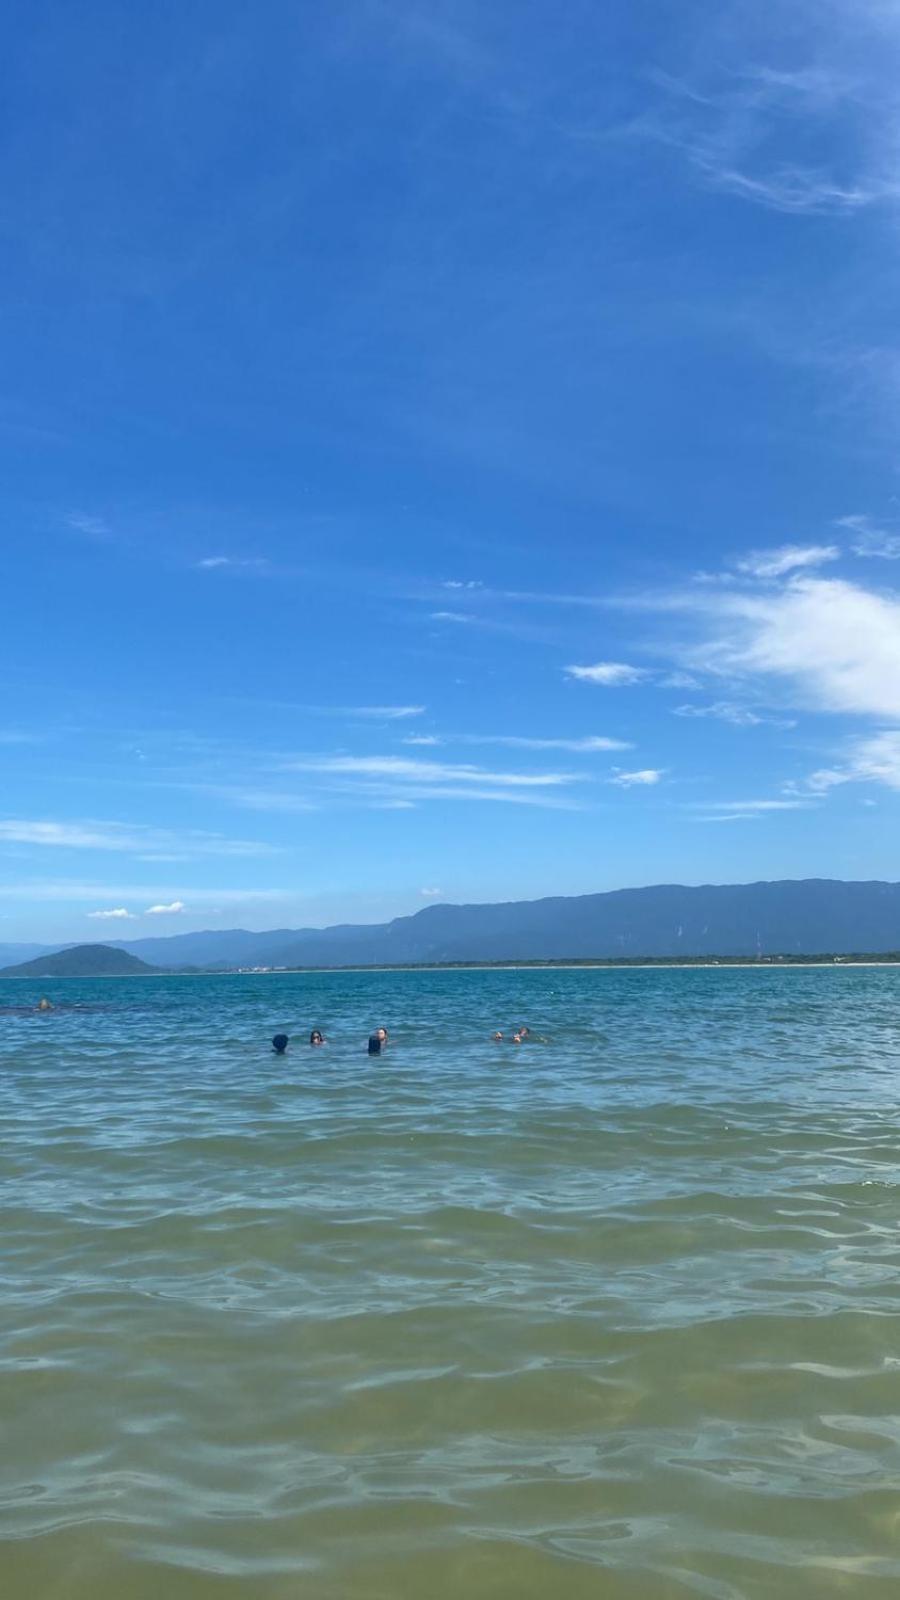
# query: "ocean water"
[612,1315]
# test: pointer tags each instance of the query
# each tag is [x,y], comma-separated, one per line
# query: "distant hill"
[22,952]
[814,916]
[81,961]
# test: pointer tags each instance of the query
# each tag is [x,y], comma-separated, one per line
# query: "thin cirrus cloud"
[610,674]
[870,539]
[590,744]
[398,778]
[812,138]
[232,564]
[744,810]
[135,839]
[381,713]
[91,527]
[69,890]
[786,558]
[400,768]
[737,715]
[645,777]
[874,759]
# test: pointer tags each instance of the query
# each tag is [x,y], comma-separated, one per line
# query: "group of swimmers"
[378,1040]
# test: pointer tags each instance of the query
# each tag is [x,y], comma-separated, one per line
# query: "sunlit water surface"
[613,1315]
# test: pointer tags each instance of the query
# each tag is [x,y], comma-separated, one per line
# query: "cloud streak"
[609,674]
[787,558]
[397,779]
[590,744]
[646,777]
[129,838]
[869,539]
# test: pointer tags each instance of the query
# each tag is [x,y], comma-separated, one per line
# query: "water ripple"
[615,1313]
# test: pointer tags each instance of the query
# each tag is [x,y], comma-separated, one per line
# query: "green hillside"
[82,961]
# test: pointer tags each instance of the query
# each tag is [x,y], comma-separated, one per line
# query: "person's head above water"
[45,1004]
[316,1037]
[377,1041]
[280,1043]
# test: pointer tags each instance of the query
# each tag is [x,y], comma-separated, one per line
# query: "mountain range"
[814,916]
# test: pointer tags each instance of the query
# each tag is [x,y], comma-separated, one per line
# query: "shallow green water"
[614,1315]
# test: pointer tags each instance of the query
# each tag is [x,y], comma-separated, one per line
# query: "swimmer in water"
[378,1041]
[497,1038]
[44,1005]
[317,1038]
[280,1043]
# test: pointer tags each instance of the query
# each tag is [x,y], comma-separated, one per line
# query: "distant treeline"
[859,958]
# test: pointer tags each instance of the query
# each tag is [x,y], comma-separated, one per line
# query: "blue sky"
[449,450]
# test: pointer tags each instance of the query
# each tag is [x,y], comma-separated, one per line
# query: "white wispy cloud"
[117,914]
[836,643]
[430,894]
[232,563]
[382,713]
[744,810]
[678,680]
[458,583]
[875,759]
[807,137]
[452,616]
[832,645]
[611,674]
[132,838]
[644,778]
[425,772]
[729,711]
[92,527]
[174,909]
[72,890]
[590,744]
[869,539]
[398,778]
[786,558]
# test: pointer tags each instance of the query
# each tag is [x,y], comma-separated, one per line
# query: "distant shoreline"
[651,964]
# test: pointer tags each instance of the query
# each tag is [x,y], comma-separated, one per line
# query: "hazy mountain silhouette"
[814,916]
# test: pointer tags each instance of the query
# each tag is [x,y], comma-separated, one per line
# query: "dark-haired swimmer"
[280,1043]
[378,1041]
[317,1038]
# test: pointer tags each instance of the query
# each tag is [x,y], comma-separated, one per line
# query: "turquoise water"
[613,1315]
